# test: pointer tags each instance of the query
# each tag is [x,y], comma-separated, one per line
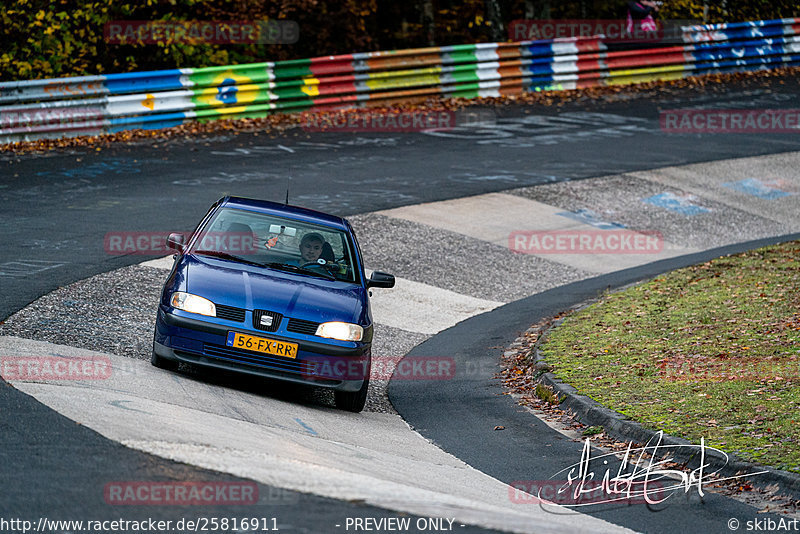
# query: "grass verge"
[708,351]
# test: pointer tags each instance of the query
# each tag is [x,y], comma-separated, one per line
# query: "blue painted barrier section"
[138,82]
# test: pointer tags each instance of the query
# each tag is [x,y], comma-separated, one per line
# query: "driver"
[311,247]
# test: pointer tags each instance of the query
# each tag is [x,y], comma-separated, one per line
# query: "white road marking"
[164,263]
[417,307]
[22,268]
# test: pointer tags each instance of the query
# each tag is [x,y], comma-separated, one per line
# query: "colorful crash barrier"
[91,105]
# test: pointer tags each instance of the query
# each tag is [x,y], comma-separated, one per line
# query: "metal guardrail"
[91,105]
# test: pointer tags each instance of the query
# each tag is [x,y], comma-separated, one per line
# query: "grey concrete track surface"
[414,168]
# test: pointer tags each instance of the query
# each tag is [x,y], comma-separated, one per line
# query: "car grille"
[256,359]
[299,326]
[276,320]
[230,313]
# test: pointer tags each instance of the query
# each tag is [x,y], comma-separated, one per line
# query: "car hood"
[251,287]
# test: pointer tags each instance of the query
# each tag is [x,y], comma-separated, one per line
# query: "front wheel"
[352,401]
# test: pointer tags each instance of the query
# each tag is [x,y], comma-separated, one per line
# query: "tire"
[162,363]
[352,401]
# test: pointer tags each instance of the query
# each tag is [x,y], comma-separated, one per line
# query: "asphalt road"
[58,208]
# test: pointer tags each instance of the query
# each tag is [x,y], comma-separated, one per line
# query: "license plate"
[262,344]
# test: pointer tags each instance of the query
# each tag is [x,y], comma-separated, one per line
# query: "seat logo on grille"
[266,320]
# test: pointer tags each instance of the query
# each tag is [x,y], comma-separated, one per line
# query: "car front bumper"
[203,343]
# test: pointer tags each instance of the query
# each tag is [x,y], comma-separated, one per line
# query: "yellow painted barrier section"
[408,78]
[310,86]
[650,74]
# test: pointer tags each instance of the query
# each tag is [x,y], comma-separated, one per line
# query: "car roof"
[284,210]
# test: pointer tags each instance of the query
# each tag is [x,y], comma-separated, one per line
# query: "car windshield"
[279,243]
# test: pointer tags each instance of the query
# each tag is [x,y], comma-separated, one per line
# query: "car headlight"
[193,304]
[341,331]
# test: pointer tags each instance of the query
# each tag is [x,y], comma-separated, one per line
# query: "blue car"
[270,290]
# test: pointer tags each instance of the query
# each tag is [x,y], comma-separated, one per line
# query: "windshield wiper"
[295,268]
[227,256]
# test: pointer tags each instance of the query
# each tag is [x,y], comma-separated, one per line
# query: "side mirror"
[175,241]
[379,279]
